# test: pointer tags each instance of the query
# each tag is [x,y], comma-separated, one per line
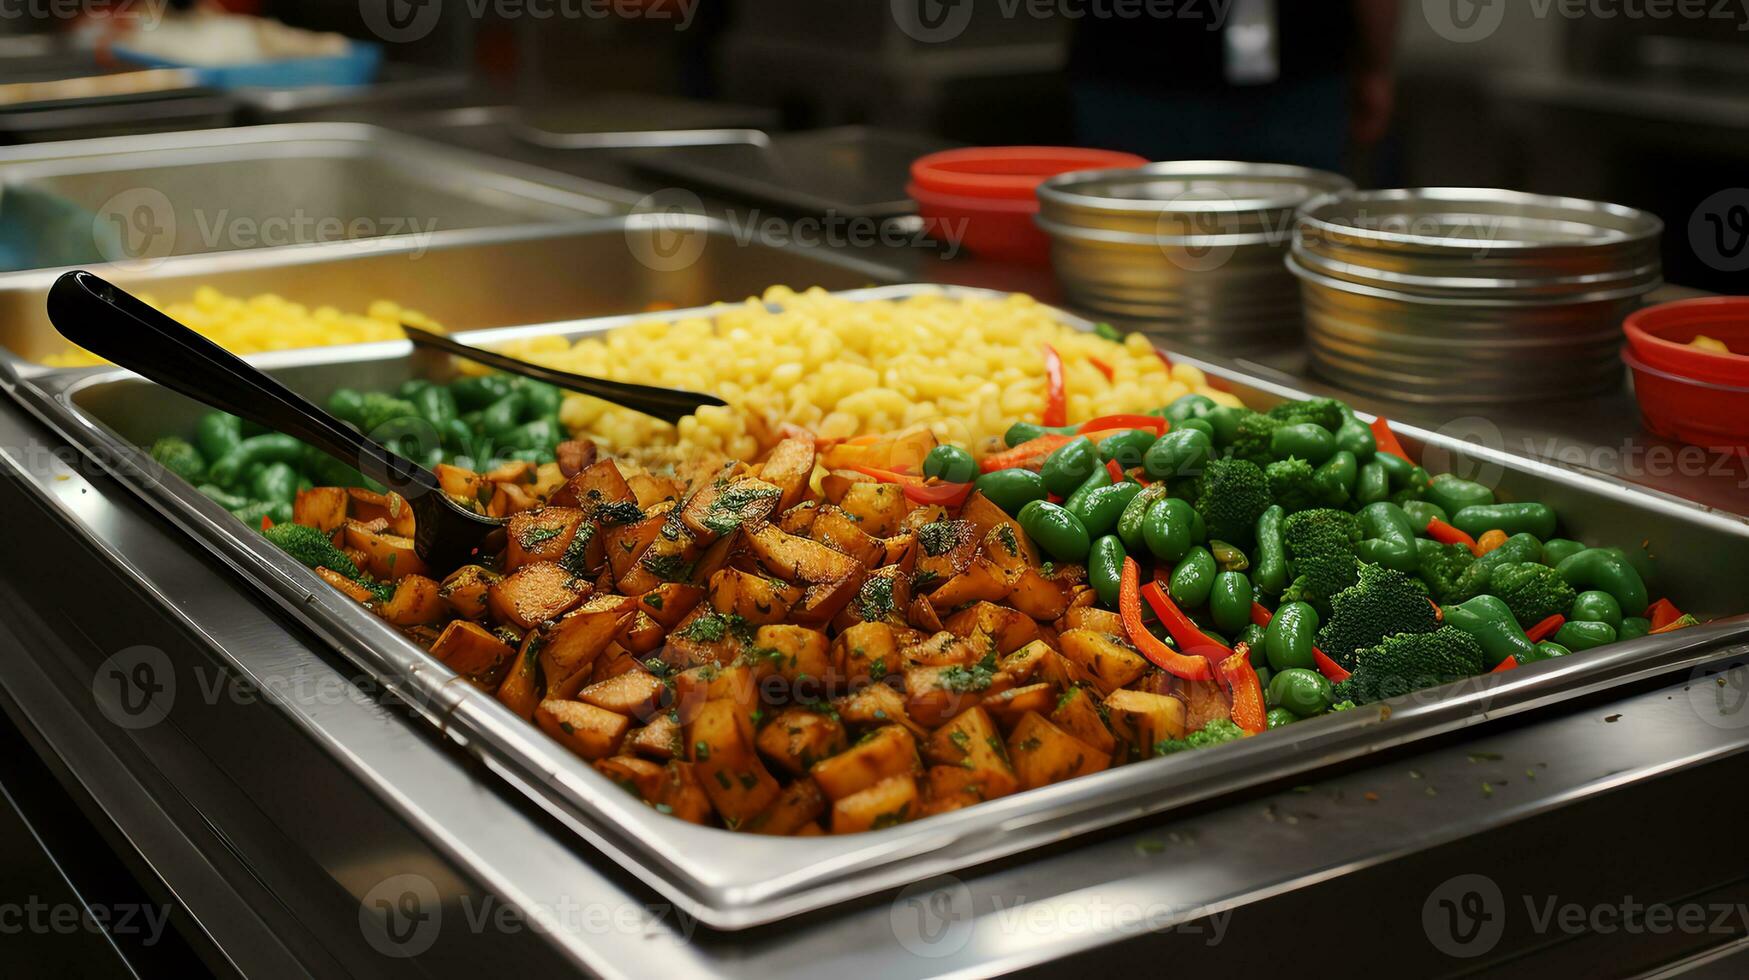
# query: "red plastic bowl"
[1659,337]
[985,197]
[1700,413]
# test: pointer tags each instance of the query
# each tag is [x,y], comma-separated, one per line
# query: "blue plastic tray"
[358,66]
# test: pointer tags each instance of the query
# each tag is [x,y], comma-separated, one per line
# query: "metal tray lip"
[111,153]
[793,878]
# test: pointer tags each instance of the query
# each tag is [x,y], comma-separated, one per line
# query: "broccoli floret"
[1321,545]
[1346,704]
[179,457]
[1533,591]
[1411,661]
[311,547]
[1214,733]
[1445,570]
[1327,412]
[1380,603]
[1290,483]
[379,409]
[1252,436]
[1231,496]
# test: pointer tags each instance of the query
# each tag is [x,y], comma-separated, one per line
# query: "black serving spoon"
[114,324]
[668,404]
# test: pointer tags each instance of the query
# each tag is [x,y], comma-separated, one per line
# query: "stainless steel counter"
[256,808]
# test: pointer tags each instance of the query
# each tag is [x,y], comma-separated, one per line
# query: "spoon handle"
[110,322]
[668,404]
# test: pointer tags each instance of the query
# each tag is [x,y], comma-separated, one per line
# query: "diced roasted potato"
[971,744]
[669,602]
[540,535]
[1008,706]
[837,530]
[1078,714]
[465,486]
[719,509]
[800,804]
[356,591]
[887,803]
[637,693]
[390,508]
[642,634]
[1205,701]
[591,732]
[323,508]
[945,550]
[1042,753]
[949,788]
[417,602]
[737,684]
[720,740]
[887,751]
[935,694]
[1041,597]
[877,507]
[465,590]
[799,737]
[983,580]
[755,598]
[387,556]
[571,645]
[661,739]
[574,456]
[875,705]
[882,597]
[624,544]
[801,656]
[865,652]
[944,649]
[535,593]
[986,623]
[523,688]
[1142,719]
[650,490]
[788,467]
[1102,660]
[601,492]
[706,637]
[472,652]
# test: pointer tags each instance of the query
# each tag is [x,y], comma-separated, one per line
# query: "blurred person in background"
[1278,81]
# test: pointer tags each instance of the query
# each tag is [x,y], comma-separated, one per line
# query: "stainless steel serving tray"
[144,198]
[469,279]
[736,882]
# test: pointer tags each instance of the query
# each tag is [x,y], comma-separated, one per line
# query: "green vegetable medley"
[1348,572]
[475,423]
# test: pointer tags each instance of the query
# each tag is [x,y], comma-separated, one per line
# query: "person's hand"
[1372,95]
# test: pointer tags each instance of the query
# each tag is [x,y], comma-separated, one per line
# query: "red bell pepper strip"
[1387,440]
[1331,670]
[1545,628]
[1186,634]
[1116,471]
[1662,613]
[266,522]
[945,494]
[1104,367]
[889,476]
[1510,663]
[1056,399]
[1163,358]
[1240,678]
[1123,423]
[1129,610]
[1444,533]
[1030,451]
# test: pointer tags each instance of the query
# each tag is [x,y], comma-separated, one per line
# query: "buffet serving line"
[309,791]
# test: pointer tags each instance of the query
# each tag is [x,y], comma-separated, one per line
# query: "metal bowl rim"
[1308,215]
[1058,189]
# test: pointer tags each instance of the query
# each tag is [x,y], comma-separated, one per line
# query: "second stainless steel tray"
[734,882]
[473,279]
[144,198]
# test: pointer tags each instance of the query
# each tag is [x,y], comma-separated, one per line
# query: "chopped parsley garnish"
[534,536]
[1010,544]
[576,560]
[961,680]
[942,537]
[713,627]
[874,601]
[619,512]
[668,568]
[733,505]
[922,581]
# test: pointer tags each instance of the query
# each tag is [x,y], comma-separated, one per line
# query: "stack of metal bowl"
[1471,295]
[1188,251]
